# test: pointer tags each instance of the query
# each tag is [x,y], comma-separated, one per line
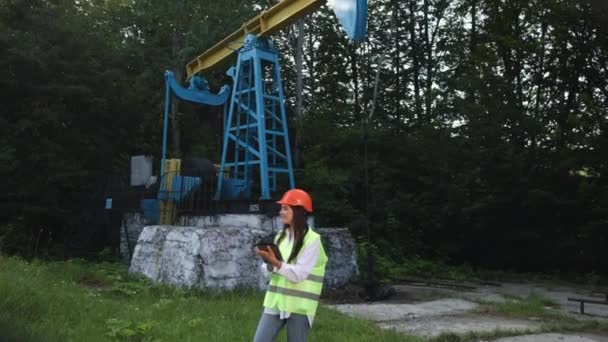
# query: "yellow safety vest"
[303,297]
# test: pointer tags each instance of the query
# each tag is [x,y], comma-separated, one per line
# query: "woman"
[295,283]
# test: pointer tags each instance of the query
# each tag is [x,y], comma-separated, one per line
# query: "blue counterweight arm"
[197,92]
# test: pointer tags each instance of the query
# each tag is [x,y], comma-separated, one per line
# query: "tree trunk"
[429,63]
[355,78]
[397,64]
[177,71]
[414,49]
[472,48]
[310,62]
[299,94]
[539,87]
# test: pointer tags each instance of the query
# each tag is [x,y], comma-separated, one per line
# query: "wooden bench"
[582,301]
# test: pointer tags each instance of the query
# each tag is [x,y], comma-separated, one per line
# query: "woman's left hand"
[269,257]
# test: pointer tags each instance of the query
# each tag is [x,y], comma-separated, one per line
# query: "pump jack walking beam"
[263,25]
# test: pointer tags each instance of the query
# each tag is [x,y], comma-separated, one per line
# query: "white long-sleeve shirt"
[295,273]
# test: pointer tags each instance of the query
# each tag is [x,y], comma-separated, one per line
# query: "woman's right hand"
[268,255]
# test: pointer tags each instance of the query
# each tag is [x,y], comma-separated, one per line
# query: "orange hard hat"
[297,197]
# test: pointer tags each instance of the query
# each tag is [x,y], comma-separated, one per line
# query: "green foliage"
[13,238]
[432,269]
[489,132]
[388,268]
[480,161]
[130,331]
[51,299]
[382,267]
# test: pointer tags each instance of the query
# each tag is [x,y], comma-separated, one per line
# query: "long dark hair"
[300,228]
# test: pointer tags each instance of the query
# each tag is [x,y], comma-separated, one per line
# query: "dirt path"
[554,338]
[431,311]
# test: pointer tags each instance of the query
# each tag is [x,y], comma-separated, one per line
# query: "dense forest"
[487,145]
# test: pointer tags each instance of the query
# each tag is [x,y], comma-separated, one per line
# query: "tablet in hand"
[275,249]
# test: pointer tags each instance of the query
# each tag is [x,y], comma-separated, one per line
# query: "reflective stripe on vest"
[312,277]
[302,297]
[293,293]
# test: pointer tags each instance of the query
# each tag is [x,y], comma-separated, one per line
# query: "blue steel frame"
[253,129]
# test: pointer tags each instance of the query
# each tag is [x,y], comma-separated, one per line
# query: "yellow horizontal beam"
[264,24]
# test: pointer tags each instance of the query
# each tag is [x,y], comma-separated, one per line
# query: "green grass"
[80,301]
[532,306]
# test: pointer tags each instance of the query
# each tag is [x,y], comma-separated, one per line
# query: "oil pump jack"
[255,143]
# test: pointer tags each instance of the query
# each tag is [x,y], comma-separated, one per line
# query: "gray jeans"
[270,326]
